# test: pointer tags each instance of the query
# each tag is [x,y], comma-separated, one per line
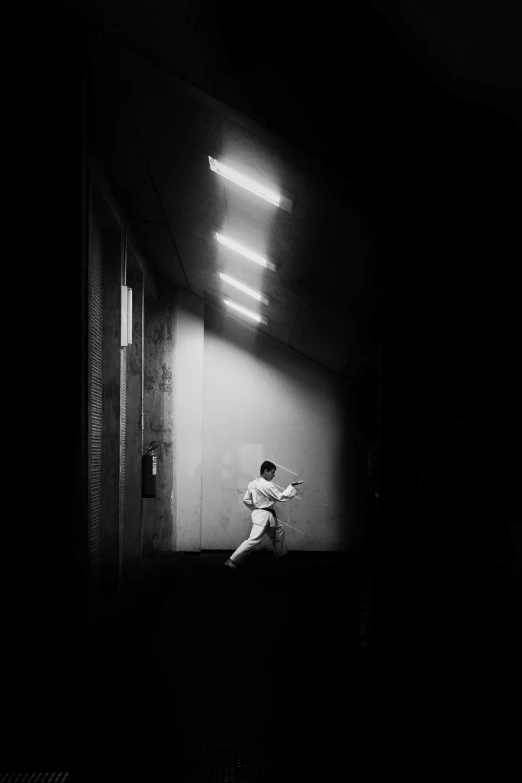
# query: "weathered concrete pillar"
[111,375]
[131,561]
[188,419]
[158,409]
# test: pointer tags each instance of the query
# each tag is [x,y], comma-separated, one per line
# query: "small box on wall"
[126,316]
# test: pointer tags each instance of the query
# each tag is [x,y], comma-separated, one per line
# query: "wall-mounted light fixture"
[265,191]
[246,289]
[126,316]
[244,251]
[254,316]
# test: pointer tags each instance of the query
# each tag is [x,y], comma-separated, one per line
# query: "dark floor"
[202,673]
[238,668]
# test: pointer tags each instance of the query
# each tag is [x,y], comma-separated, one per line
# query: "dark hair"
[266,466]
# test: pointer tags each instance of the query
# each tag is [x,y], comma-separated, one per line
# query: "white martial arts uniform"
[263,495]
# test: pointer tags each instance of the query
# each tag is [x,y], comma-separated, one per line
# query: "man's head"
[268,470]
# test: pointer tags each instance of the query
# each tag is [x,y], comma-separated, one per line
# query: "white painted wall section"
[188,419]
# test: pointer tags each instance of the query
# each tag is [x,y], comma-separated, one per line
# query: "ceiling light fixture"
[244,288]
[245,182]
[244,311]
[244,251]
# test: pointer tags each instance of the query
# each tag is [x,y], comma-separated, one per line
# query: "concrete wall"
[158,424]
[262,401]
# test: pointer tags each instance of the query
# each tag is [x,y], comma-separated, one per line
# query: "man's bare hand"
[295,483]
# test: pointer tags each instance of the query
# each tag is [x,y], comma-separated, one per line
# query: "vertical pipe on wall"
[125,242]
[123,456]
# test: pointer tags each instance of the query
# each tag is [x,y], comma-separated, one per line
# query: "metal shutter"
[95,395]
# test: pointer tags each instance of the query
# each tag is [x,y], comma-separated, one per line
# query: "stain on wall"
[158,414]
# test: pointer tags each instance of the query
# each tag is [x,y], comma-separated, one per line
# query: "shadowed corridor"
[267,674]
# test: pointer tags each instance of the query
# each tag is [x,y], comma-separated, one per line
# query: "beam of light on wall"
[296,497]
[255,316]
[293,528]
[287,469]
[244,251]
[245,182]
[244,288]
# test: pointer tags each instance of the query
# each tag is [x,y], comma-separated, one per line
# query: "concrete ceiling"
[172,83]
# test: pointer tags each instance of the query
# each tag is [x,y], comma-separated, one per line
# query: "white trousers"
[276,535]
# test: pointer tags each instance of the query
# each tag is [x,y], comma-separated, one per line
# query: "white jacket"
[263,495]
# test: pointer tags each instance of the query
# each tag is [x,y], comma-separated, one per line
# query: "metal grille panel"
[123,448]
[95,395]
[34,777]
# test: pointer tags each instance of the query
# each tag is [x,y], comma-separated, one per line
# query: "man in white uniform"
[261,497]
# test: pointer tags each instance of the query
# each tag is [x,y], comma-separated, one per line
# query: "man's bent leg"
[277,535]
[248,546]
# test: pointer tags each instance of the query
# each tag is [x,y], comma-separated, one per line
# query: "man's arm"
[275,494]
[248,500]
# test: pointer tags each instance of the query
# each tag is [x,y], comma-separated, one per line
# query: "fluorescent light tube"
[245,288]
[255,316]
[245,182]
[244,251]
